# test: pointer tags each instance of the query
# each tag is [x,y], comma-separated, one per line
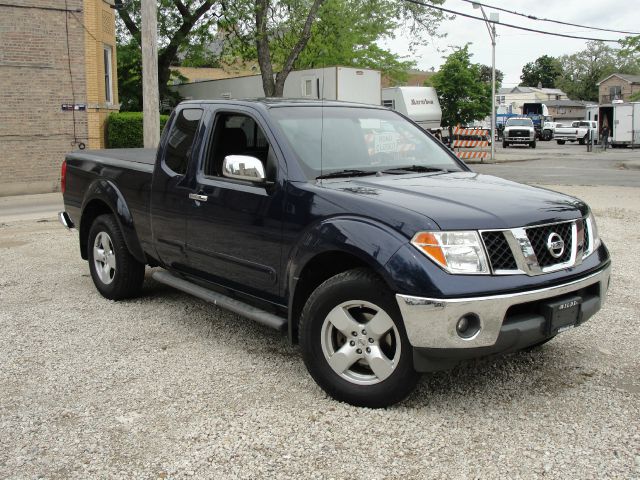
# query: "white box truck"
[359,85]
[420,104]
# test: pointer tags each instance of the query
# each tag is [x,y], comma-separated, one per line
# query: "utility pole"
[150,91]
[491,26]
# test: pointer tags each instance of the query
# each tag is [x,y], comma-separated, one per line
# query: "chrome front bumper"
[431,322]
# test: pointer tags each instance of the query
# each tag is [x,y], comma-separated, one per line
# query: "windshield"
[519,122]
[358,139]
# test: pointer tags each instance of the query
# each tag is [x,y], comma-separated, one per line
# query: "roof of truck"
[286,102]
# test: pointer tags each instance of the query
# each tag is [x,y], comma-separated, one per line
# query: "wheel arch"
[333,247]
[103,197]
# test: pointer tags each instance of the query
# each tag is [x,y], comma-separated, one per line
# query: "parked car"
[347,226]
[519,131]
[579,131]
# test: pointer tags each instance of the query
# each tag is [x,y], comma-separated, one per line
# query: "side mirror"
[243,167]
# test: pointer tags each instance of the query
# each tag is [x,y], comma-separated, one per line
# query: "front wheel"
[115,272]
[560,142]
[505,144]
[354,343]
[533,144]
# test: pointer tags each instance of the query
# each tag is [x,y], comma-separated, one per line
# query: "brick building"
[57,85]
[618,86]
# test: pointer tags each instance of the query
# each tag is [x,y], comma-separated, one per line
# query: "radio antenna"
[322,121]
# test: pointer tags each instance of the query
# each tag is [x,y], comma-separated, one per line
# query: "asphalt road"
[566,164]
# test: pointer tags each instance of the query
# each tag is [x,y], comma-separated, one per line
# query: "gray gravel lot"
[166,386]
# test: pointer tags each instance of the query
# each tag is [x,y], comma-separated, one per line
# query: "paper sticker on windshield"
[385,143]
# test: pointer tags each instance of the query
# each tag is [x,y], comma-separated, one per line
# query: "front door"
[234,229]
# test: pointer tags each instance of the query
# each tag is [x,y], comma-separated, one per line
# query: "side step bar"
[236,306]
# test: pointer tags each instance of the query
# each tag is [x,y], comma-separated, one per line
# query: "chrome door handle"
[198,197]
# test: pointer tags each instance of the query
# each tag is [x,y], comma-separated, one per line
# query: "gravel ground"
[166,386]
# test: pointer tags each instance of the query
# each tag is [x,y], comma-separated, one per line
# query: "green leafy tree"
[278,32]
[582,70]
[185,28]
[463,94]
[485,75]
[354,27]
[543,71]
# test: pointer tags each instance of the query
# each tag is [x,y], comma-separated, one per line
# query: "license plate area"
[561,314]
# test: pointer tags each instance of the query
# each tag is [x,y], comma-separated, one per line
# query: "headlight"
[455,252]
[593,238]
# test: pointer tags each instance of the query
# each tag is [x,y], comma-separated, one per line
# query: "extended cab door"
[170,187]
[234,227]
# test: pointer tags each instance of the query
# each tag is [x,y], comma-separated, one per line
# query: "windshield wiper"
[417,168]
[347,173]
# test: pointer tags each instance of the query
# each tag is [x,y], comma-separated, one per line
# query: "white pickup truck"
[577,132]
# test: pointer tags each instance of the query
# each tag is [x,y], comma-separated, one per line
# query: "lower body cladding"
[446,331]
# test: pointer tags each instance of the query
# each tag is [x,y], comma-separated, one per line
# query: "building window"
[108,74]
[615,93]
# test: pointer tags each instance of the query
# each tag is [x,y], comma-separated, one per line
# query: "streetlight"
[491,26]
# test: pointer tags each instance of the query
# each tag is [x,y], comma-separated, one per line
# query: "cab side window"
[181,137]
[238,134]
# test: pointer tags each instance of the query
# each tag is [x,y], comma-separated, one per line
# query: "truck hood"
[467,200]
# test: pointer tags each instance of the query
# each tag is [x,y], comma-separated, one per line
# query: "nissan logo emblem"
[555,245]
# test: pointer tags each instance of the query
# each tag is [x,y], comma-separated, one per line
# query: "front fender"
[107,192]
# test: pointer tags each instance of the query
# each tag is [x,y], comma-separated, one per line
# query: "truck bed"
[137,158]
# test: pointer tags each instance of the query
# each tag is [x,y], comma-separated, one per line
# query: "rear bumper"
[430,323]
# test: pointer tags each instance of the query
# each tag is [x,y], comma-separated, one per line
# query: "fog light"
[468,326]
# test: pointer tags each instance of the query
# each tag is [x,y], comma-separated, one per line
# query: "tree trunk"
[276,88]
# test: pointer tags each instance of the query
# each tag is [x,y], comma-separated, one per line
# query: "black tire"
[583,140]
[358,285]
[533,144]
[128,273]
[560,142]
[505,144]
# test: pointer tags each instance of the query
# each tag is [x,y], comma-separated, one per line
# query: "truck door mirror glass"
[243,167]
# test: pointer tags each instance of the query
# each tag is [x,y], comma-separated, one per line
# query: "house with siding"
[618,86]
[512,98]
[58,85]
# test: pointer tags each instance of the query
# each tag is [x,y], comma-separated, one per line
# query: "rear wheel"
[560,142]
[115,272]
[354,343]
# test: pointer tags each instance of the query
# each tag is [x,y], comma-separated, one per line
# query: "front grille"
[518,133]
[538,237]
[499,251]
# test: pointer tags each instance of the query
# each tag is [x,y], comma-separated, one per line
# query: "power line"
[533,17]
[517,27]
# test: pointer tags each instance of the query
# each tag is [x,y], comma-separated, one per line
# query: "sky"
[515,48]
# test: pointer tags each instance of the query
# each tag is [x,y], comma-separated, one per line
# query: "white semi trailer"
[359,85]
[420,104]
[624,123]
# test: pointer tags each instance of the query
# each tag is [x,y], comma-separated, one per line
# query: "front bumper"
[431,322]
[519,139]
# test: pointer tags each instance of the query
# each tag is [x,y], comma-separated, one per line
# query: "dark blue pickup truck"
[347,226]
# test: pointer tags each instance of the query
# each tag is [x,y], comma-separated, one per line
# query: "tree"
[463,94]
[354,27]
[485,75]
[582,70]
[277,32]
[543,71]
[184,27]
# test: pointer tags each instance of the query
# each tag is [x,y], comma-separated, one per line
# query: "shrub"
[124,129]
